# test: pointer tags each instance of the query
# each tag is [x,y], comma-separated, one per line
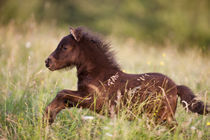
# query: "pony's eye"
[64,48]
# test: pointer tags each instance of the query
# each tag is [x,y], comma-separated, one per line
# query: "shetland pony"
[101,82]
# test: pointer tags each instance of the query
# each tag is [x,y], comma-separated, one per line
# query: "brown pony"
[101,82]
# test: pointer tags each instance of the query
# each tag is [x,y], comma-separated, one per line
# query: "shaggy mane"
[96,42]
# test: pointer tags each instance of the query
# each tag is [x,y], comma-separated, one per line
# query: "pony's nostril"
[47,62]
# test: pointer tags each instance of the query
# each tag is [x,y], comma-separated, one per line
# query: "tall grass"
[26,87]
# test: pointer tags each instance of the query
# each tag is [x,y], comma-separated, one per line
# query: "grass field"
[26,87]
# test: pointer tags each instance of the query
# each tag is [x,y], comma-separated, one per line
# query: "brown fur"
[101,82]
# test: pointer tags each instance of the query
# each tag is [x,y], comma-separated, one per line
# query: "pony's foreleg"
[64,98]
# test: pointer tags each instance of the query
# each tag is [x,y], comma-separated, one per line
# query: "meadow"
[27,86]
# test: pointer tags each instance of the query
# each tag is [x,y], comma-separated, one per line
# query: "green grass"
[26,87]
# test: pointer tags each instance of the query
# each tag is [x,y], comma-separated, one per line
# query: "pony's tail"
[189,101]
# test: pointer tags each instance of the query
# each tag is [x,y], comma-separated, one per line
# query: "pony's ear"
[76,33]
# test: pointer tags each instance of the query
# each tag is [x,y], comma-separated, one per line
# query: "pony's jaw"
[51,69]
[54,66]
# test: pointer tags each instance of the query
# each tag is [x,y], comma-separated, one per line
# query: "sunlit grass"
[26,87]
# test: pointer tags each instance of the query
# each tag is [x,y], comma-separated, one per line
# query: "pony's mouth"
[51,67]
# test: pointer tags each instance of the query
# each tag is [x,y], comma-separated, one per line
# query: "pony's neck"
[92,70]
[96,60]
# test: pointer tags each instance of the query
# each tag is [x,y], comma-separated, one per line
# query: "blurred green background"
[184,23]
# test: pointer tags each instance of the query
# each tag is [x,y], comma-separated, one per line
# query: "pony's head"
[83,49]
[66,53]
